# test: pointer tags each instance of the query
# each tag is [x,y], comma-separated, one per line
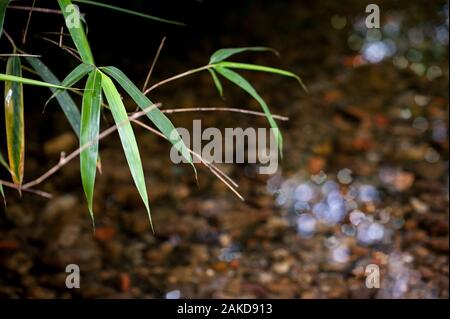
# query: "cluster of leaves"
[101,82]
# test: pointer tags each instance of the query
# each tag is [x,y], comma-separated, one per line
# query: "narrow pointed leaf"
[261,68]
[246,86]
[3,5]
[127,138]
[217,82]
[3,163]
[19,79]
[73,77]
[139,14]
[14,123]
[64,100]
[2,192]
[158,118]
[90,126]
[72,18]
[223,54]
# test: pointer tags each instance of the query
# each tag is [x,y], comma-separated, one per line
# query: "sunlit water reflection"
[344,209]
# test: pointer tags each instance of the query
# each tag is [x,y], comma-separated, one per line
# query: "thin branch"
[178,76]
[24,38]
[153,63]
[21,54]
[10,39]
[222,109]
[65,159]
[58,33]
[29,190]
[214,169]
[61,35]
[35,9]
[68,49]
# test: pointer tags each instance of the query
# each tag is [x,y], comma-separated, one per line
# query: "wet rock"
[63,143]
[134,253]
[19,263]
[68,235]
[199,255]
[283,288]
[91,290]
[333,287]
[84,252]
[426,272]
[41,293]
[58,205]
[439,244]
[137,222]
[105,233]
[316,164]
[128,195]
[19,215]
[265,277]
[159,254]
[418,205]
[115,249]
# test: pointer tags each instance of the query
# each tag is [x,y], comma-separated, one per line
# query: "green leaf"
[222,54]
[73,77]
[72,18]
[64,100]
[139,14]
[261,68]
[246,86]
[127,138]
[3,162]
[216,81]
[89,132]
[14,123]
[155,115]
[19,79]
[2,192]
[3,5]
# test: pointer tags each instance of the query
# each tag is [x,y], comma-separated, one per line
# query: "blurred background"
[364,177]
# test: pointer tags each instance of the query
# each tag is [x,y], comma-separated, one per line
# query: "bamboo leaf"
[14,123]
[223,54]
[216,81]
[246,86]
[2,192]
[127,138]
[89,131]
[72,78]
[72,18]
[64,100]
[19,79]
[3,5]
[261,68]
[158,118]
[3,163]
[123,10]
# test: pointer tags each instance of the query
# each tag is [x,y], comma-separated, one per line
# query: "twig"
[13,44]
[222,109]
[68,49]
[22,54]
[61,34]
[29,190]
[153,63]
[214,169]
[35,9]
[178,76]
[24,38]
[65,159]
